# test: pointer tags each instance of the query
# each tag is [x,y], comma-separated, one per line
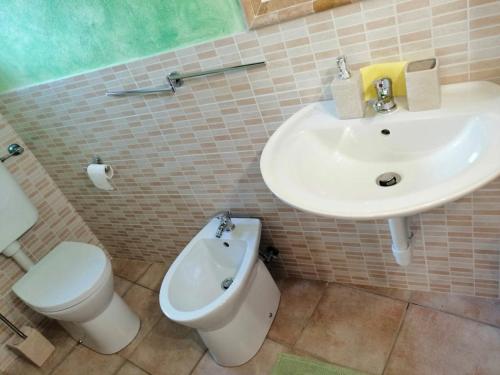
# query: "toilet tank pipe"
[15,252]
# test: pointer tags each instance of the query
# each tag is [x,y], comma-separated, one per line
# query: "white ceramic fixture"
[232,322]
[327,166]
[73,283]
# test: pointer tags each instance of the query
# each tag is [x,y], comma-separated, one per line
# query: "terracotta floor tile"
[121,285]
[169,349]
[298,301]
[83,361]
[143,302]
[131,369]
[433,342]
[129,269]
[63,344]
[353,328]
[153,277]
[22,366]
[262,363]
[401,294]
[482,309]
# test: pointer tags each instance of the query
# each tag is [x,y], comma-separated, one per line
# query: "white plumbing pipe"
[401,240]
[15,251]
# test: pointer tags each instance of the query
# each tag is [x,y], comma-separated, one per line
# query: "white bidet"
[221,288]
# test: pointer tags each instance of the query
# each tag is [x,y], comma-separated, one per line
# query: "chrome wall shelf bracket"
[176,79]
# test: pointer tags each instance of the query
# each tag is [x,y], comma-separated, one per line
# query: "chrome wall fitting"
[13,150]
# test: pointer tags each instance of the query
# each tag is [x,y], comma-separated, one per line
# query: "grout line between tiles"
[398,332]
[360,288]
[321,359]
[119,368]
[135,365]
[455,315]
[410,302]
[140,275]
[310,316]
[199,360]
[64,358]
[131,363]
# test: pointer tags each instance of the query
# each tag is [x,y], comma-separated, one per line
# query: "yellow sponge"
[395,71]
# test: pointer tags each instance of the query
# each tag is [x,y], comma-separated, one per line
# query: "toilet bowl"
[73,284]
[221,288]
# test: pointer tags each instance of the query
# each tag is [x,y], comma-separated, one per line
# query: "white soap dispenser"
[347,92]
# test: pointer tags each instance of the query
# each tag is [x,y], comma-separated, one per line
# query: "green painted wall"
[42,40]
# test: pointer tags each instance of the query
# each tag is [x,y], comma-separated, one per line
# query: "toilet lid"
[64,277]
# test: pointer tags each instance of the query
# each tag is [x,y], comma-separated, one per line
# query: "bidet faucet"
[225,223]
[385,100]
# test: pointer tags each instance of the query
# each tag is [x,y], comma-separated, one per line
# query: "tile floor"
[376,330]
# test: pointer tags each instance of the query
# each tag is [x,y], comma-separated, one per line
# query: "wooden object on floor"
[36,348]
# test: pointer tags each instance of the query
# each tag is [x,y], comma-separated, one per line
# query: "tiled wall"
[180,159]
[58,221]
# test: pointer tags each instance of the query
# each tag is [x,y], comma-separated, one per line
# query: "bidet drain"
[226,283]
[388,179]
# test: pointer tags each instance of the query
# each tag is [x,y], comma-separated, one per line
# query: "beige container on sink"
[423,90]
[347,92]
[348,97]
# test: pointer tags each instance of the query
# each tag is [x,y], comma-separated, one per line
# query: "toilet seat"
[65,277]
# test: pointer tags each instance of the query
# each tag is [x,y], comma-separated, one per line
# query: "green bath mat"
[288,364]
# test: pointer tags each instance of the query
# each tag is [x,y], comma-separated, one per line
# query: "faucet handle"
[383,87]
[385,100]
[222,215]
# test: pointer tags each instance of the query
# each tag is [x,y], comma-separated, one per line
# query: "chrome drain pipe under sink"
[401,240]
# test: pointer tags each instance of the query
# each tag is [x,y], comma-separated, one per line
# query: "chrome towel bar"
[176,79]
[153,90]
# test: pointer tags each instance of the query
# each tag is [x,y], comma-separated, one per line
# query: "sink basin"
[327,166]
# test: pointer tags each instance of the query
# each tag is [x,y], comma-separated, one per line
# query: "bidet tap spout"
[225,223]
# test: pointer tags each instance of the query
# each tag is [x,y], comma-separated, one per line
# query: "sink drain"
[226,283]
[388,179]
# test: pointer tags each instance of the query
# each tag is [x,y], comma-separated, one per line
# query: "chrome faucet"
[225,223]
[385,100]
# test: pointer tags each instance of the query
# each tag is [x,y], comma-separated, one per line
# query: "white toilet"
[73,283]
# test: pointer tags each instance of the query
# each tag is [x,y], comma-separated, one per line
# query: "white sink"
[320,164]
[327,166]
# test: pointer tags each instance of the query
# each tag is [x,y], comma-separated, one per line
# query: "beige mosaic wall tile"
[58,221]
[180,159]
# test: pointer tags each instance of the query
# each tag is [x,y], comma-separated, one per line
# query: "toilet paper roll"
[101,175]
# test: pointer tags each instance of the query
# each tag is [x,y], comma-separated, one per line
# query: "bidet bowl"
[192,291]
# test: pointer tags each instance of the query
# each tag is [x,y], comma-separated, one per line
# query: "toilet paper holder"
[96,159]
